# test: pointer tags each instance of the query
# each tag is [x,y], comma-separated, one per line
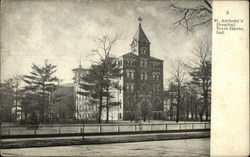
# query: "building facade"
[142,81]
[83,108]
[141,86]
[86,110]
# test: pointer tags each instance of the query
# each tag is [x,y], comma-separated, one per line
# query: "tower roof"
[140,36]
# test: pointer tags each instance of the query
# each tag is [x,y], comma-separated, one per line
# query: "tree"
[199,15]
[16,80]
[64,100]
[40,86]
[93,86]
[200,71]
[179,77]
[108,65]
[7,99]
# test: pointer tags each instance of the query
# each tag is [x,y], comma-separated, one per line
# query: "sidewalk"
[77,140]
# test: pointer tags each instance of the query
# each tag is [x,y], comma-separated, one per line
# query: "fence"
[95,129]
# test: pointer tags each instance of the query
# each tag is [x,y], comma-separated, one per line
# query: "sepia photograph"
[106,78]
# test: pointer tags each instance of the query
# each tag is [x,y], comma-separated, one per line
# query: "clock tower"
[140,44]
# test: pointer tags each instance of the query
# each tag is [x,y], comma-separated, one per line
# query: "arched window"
[132,87]
[142,63]
[132,75]
[142,76]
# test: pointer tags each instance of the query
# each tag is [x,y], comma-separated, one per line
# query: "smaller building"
[83,108]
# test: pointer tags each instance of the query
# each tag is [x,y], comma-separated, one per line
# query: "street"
[187,147]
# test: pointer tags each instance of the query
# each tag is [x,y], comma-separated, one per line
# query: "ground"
[187,147]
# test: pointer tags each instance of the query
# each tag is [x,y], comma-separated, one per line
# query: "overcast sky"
[64,31]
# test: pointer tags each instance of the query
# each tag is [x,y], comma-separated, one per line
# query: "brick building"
[142,81]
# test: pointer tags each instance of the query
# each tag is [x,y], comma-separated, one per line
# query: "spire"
[140,36]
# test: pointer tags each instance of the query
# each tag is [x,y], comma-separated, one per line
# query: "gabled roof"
[153,58]
[130,54]
[140,36]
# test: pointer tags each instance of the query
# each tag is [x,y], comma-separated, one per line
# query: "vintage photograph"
[106,78]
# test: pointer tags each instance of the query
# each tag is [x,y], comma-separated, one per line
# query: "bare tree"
[200,14]
[179,77]
[201,72]
[104,49]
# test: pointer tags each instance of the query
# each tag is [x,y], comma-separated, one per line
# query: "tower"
[140,44]
[142,80]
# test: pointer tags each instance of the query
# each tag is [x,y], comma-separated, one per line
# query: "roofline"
[80,69]
[156,59]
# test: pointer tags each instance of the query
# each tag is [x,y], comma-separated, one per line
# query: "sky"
[64,32]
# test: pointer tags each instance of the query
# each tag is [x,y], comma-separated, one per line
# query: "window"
[157,76]
[145,63]
[142,63]
[132,75]
[142,76]
[127,74]
[132,87]
[127,87]
[146,76]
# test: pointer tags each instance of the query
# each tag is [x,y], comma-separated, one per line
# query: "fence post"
[100,129]
[34,131]
[135,127]
[166,127]
[59,129]
[192,125]
[179,126]
[150,127]
[9,129]
[205,125]
[118,128]
[83,125]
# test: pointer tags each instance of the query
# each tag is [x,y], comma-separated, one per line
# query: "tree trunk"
[100,105]
[16,103]
[107,110]
[178,104]
[100,111]
[206,112]
[192,110]
[196,111]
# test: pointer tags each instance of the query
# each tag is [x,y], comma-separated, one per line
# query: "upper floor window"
[130,74]
[130,62]
[130,87]
[156,75]
[144,63]
[144,76]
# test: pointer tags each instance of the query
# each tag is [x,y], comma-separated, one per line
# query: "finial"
[140,19]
